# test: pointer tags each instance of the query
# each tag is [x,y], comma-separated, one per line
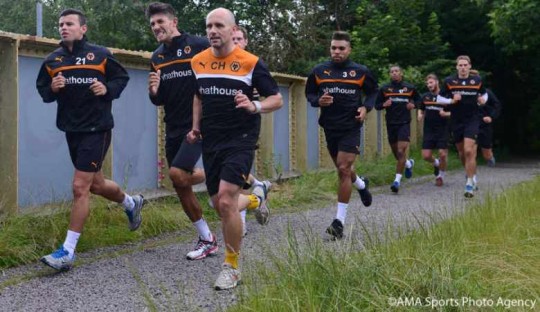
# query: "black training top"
[432,117]
[79,110]
[345,82]
[469,88]
[219,79]
[401,93]
[492,108]
[177,86]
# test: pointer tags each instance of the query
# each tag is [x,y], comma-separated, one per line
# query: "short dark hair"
[159,8]
[464,57]
[244,32]
[341,35]
[432,76]
[395,65]
[80,14]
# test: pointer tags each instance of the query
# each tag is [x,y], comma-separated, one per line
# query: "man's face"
[239,40]
[219,30]
[463,67]
[70,28]
[395,73]
[432,84]
[164,27]
[340,50]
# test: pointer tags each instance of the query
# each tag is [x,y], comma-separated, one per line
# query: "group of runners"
[213,92]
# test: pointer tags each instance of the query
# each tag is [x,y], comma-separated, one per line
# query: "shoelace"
[202,243]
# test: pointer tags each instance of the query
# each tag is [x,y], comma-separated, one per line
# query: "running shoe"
[408,171]
[365,195]
[134,215]
[228,277]
[335,229]
[395,187]
[203,249]
[59,259]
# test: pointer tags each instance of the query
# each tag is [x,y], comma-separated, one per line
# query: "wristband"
[258,106]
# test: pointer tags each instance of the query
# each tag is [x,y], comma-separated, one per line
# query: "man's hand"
[410,106]
[487,119]
[243,102]
[387,103]
[193,136]
[420,116]
[98,88]
[58,83]
[326,100]
[361,116]
[456,98]
[154,78]
[481,99]
[444,114]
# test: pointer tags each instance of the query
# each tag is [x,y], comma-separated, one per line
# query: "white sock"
[474,179]
[436,163]
[203,229]
[470,181]
[243,216]
[342,212]
[71,242]
[441,173]
[408,163]
[398,177]
[359,183]
[128,202]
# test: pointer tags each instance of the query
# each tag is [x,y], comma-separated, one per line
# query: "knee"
[225,204]
[443,156]
[426,156]
[80,189]
[179,177]
[344,170]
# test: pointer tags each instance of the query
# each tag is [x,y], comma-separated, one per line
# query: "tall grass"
[490,251]
[24,238]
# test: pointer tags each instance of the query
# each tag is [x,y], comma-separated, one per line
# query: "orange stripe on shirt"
[100,68]
[238,63]
[359,82]
[159,66]
[398,94]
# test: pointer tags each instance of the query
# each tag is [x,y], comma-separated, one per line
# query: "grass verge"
[25,238]
[479,260]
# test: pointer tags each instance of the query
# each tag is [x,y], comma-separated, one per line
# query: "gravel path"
[156,275]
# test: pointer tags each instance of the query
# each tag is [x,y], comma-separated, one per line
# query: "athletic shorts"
[435,138]
[232,165]
[181,154]
[399,133]
[347,141]
[88,149]
[465,129]
[485,136]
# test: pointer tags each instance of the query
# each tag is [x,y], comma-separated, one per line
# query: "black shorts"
[88,149]
[485,136]
[465,129]
[347,141]
[399,133]
[181,154]
[232,165]
[435,138]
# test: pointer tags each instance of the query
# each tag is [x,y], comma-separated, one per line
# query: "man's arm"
[117,78]
[195,133]
[154,82]
[371,89]
[43,85]
[312,91]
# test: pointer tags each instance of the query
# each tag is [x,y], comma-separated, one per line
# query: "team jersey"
[79,110]
[345,82]
[432,117]
[219,79]
[401,93]
[177,85]
[469,88]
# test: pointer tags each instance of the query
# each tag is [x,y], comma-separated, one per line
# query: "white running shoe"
[203,249]
[228,278]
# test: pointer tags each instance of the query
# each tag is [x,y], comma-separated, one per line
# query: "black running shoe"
[335,229]
[365,195]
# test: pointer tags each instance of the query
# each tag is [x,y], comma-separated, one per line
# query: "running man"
[488,113]
[465,123]
[398,98]
[171,83]
[240,38]
[229,121]
[336,87]
[436,131]
[84,79]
